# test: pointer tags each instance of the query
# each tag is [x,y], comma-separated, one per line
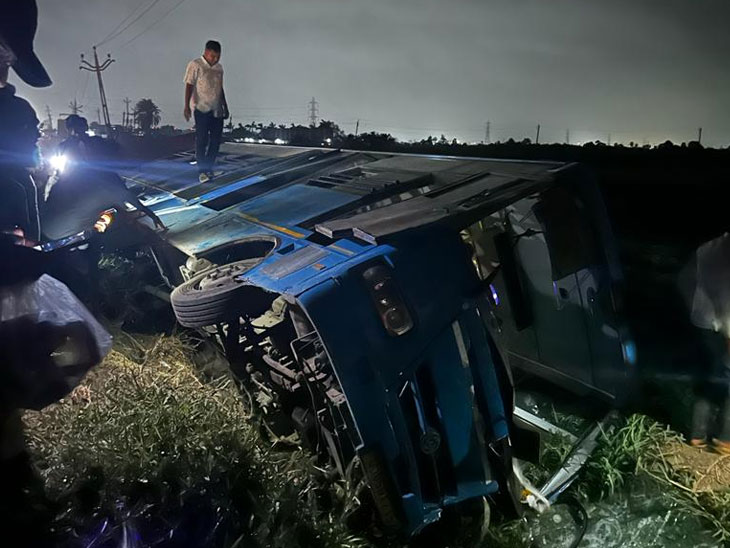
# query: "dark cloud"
[639,69]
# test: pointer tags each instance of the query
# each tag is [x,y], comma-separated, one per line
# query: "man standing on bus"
[206,101]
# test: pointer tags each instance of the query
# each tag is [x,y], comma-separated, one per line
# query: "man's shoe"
[720,446]
[698,443]
[214,174]
[203,178]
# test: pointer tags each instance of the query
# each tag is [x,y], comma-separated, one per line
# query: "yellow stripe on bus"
[272,226]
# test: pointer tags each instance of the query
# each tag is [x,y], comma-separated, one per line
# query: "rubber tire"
[201,307]
[382,490]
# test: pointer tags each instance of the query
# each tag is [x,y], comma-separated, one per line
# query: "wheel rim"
[223,277]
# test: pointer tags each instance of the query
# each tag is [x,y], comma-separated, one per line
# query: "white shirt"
[207,82]
[711,304]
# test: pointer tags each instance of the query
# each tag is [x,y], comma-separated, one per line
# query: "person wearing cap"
[19,264]
[18,121]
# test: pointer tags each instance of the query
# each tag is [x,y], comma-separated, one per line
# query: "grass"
[149,448]
[642,446]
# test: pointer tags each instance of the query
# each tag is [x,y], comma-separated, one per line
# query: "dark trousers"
[711,409]
[208,132]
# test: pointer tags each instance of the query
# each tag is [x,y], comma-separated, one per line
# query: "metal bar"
[542,424]
[570,469]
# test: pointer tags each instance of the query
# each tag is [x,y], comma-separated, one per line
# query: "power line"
[164,15]
[113,34]
[86,85]
[115,29]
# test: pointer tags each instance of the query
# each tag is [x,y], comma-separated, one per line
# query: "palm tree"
[146,114]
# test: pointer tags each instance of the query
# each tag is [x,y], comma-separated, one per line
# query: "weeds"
[146,447]
[640,447]
[149,449]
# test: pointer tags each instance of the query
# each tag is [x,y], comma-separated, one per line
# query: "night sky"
[642,70]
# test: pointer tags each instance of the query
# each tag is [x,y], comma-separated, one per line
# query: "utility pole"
[98,69]
[357,127]
[567,136]
[609,139]
[313,112]
[50,118]
[699,135]
[75,107]
[537,136]
[488,133]
[127,102]
[98,115]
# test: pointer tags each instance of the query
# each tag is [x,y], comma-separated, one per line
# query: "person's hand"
[187,113]
[17,237]
[226,113]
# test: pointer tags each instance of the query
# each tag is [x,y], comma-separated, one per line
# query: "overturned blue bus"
[381,302]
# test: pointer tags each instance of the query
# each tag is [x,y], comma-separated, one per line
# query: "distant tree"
[327,124]
[331,130]
[694,145]
[167,130]
[377,141]
[146,114]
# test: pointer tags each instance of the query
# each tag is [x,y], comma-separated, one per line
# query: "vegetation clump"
[148,450]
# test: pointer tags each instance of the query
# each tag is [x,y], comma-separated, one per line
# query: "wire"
[112,35]
[86,85]
[127,18]
[164,15]
[576,504]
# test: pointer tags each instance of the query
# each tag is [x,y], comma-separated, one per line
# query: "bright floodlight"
[58,162]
